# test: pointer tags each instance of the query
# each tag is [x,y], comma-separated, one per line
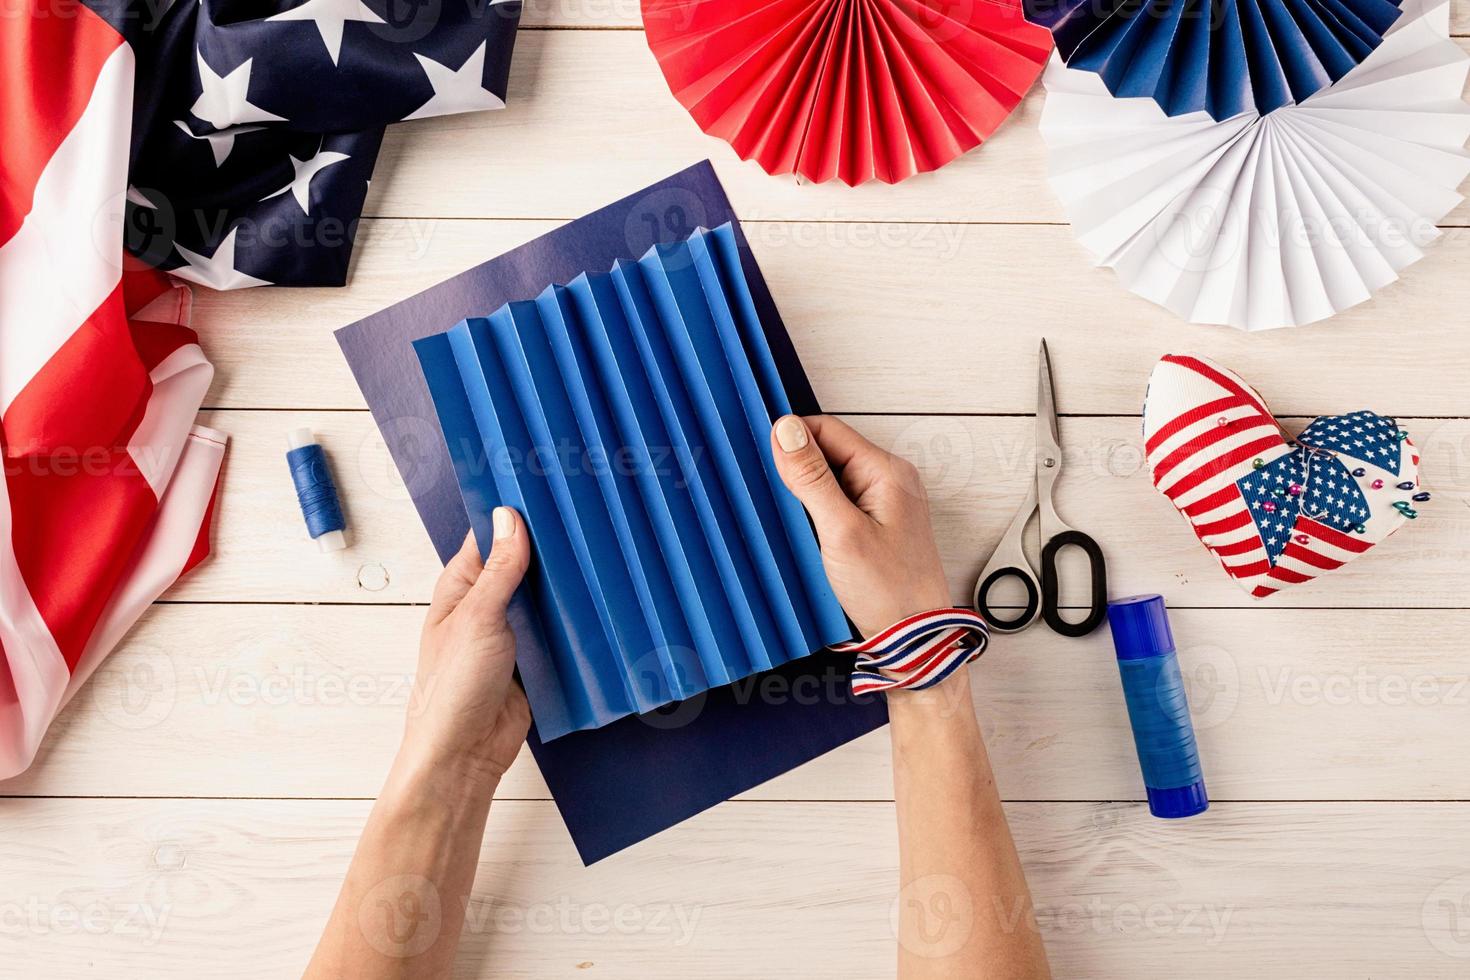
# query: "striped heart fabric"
[1275,511]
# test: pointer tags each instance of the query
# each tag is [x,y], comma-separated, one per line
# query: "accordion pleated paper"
[636,777]
[1222,57]
[1275,220]
[853,89]
[627,416]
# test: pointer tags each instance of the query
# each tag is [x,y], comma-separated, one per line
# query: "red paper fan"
[853,89]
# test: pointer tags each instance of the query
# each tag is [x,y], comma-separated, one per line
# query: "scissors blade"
[1048,441]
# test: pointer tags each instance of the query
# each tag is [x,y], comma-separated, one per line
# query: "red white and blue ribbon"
[917,652]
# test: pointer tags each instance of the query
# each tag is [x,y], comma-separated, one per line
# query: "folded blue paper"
[627,415]
[1221,56]
[628,780]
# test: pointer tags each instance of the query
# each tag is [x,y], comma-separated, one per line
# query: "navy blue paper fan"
[1221,56]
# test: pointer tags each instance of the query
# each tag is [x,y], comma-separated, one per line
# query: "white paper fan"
[1275,220]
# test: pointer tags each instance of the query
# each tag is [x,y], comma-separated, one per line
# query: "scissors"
[1009,560]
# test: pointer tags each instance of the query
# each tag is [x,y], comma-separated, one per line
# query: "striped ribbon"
[917,652]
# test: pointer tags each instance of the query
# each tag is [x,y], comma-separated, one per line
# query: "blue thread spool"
[1157,707]
[315,491]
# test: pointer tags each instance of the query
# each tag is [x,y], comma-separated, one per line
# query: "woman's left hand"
[468,712]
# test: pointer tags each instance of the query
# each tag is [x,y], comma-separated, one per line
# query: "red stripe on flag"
[156,341]
[1182,422]
[1219,498]
[1289,576]
[1246,571]
[8,693]
[1242,547]
[201,543]
[1220,464]
[1262,591]
[89,397]
[79,521]
[1225,525]
[1198,444]
[1309,557]
[1224,381]
[1337,539]
[143,284]
[50,57]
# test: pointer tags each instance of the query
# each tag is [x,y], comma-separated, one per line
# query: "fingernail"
[505,523]
[791,433]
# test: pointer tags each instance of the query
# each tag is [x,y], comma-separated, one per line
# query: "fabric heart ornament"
[1275,511]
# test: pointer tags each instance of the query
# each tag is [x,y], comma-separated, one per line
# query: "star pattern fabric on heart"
[1301,485]
[1364,436]
[1275,512]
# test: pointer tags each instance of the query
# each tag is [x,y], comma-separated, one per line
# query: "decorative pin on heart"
[1275,512]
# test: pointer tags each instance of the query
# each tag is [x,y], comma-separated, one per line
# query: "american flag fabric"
[1274,511]
[256,124]
[230,144]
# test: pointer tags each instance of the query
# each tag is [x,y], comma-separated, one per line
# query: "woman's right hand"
[872,519]
[954,843]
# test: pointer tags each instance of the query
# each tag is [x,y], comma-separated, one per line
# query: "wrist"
[452,773]
[885,615]
[928,721]
[949,699]
[426,805]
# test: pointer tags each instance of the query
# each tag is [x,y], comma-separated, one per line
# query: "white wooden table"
[193,811]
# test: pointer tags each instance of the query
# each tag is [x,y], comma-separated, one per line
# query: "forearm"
[965,909]
[402,905]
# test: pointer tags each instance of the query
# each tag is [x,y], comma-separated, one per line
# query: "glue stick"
[1157,707]
[315,491]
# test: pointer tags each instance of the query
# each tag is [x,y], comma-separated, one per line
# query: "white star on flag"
[217,270]
[223,99]
[300,185]
[221,143]
[329,16]
[461,90]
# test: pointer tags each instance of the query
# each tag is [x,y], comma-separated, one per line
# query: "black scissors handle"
[1050,587]
[982,599]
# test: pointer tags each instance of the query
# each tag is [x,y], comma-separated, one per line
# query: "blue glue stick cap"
[1140,625]
[1158,710]
[1182,801]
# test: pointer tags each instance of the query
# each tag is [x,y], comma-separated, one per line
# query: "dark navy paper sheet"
[627,416]
[637,776]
